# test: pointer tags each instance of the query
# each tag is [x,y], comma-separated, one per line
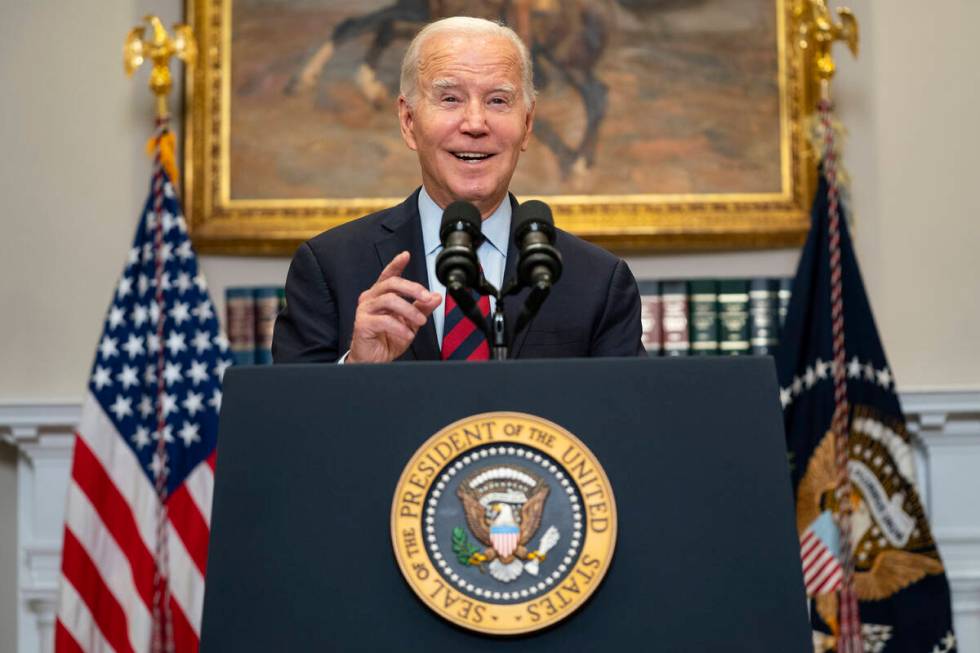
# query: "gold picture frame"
[223,224]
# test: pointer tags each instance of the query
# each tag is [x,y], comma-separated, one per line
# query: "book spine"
[240,318]
[733,311]
[763,315]
[651,316]
[674,302]
[266,311]
[785,292]
[703,306]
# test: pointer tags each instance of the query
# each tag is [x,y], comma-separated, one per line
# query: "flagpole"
[818,32]
[160,48]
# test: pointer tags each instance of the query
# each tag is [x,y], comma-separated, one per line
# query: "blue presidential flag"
[902,595]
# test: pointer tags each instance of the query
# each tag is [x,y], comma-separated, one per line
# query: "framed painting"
[660,124]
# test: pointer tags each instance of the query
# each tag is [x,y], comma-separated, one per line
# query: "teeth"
[471,156]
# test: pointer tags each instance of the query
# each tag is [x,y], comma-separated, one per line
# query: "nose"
[474,121]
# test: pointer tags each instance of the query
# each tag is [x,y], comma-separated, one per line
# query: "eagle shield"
[504,539]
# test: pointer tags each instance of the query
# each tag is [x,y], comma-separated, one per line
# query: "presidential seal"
[503,523]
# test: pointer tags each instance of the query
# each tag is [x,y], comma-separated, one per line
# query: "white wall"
[910,103]
[73,178]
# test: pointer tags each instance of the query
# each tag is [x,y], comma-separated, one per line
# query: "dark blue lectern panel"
[308,457]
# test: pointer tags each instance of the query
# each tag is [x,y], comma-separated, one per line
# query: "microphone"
[457,266]
[539,264]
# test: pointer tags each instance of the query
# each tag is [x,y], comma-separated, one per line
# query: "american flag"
[139,508]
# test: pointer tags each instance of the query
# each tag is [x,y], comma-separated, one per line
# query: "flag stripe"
[813,572]
[818,553]
[814,583]
[87,528]
[819,564]
[63,641]
[120,464]
[115,515]
[185,639]
[831,584]
[186,582]
[76,620]
[808,543]
[190,526]
[819,582]
[79,569]
[200,487]
[824,571]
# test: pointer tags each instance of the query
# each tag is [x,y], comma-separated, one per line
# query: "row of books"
[250,317]
[699,317]
[709,317]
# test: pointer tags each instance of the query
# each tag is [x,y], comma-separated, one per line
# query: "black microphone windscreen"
[460,212]
[534,212]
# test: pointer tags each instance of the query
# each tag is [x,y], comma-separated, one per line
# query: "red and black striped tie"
[461,340]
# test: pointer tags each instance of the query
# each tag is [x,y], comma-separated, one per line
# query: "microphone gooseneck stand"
[496,331]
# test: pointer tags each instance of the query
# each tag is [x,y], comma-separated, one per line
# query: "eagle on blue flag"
[831,357]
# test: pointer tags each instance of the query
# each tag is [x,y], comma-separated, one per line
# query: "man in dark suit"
[367,291]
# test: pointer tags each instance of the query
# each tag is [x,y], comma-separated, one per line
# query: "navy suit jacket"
[593,309]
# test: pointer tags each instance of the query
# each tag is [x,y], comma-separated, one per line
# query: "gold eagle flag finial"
[159,47]
[817,33]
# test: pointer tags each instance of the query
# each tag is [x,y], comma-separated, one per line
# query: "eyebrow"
[444,83]
[505,88]
[448,83]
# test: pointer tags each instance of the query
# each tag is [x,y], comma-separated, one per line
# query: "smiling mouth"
[472,157]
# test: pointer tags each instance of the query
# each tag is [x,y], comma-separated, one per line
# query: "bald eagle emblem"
[504,505]
[891,542]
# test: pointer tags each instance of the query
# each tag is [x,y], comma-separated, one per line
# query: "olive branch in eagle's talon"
[467,553]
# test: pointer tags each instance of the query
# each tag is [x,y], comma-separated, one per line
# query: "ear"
[528,126]
[406,122]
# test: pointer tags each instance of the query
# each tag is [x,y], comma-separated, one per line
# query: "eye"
[449,99]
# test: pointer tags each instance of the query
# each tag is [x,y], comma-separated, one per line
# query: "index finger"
[395,267]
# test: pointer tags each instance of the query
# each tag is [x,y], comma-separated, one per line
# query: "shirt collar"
[496,228]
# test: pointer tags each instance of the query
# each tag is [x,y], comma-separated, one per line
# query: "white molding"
[944,424]
[36,416]
[43,434]
[918,402]
[952,414]
[966,589]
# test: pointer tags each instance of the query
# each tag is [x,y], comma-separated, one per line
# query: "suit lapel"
[514,303]
[401,231]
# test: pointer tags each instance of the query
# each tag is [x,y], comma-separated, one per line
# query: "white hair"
[469,26]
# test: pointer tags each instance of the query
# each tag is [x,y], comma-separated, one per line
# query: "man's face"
[469,123]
